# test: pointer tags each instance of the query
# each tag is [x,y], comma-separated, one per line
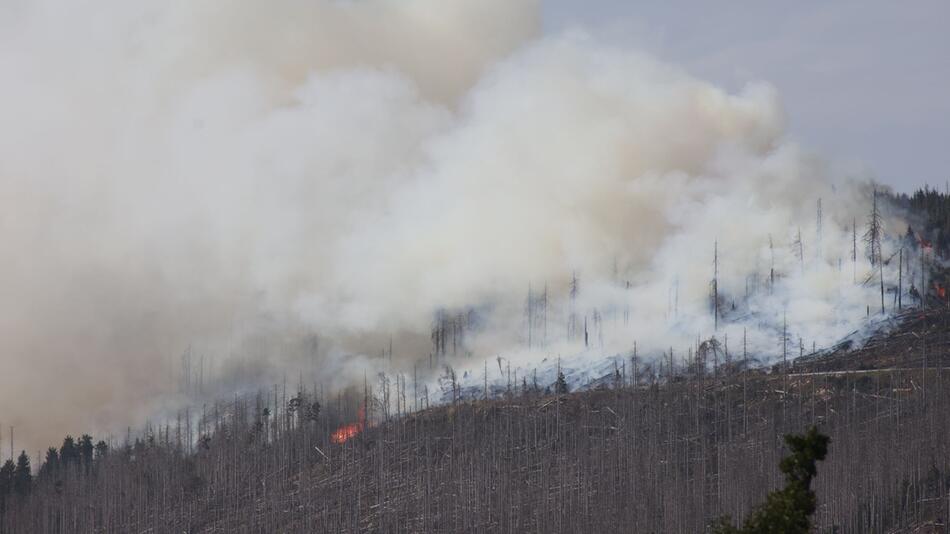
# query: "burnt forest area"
[665,443]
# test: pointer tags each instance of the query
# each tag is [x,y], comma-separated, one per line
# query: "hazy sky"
[862,81]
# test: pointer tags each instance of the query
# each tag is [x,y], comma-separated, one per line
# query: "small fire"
[350,430]
[941,291]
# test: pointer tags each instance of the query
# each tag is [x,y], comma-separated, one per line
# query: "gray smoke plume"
[239,178]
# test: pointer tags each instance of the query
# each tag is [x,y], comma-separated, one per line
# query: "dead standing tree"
[448,332]
[715,286]
[818,229]
[854,250]
[771,264]
[872,242]
[575,288]
[798,248]
[536,317]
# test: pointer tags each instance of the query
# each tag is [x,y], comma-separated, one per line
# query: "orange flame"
[941,291]
[350,430]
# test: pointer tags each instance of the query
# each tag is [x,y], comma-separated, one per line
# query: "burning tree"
[350,430]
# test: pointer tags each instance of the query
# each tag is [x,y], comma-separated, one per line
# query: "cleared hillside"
[648,454]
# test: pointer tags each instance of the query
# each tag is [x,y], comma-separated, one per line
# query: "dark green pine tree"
[788,510]
[6,477]
[560,387]
[51,464]
[22,477]
[86,450]
[68,453]
[102,449]
[6,483]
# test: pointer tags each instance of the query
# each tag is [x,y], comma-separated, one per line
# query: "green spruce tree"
[86,449]
[6,483]
[51,464]
[560,387]
[68,453]
[102,449]
[22,476]
[788,510]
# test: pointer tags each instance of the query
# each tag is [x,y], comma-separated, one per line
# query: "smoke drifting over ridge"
[236,178]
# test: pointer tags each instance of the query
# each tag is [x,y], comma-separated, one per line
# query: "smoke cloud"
[237,179]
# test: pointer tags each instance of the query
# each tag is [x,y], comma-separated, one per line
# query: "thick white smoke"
[237,177]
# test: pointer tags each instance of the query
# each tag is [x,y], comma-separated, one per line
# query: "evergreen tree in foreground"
[789,510]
